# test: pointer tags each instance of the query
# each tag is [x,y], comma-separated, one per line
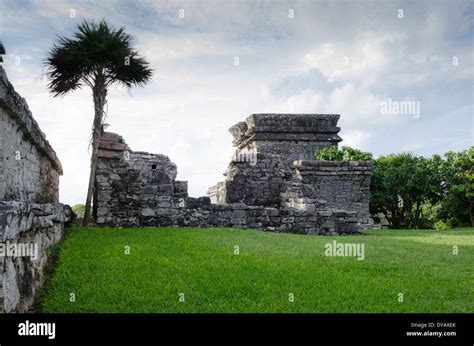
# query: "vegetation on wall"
[345,153]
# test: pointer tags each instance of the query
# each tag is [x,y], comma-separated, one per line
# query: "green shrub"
[78,209]
[346,153]
[457,206]
[404,187]
[441,226]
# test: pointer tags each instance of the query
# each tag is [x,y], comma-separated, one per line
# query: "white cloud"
[356,139]
[362,59]
[359,106]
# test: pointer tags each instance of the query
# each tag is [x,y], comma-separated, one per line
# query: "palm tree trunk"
[99,93]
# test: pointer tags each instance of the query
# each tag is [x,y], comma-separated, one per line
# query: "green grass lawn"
[201,263]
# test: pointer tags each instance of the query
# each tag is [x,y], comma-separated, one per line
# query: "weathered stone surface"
[291,136]
[29,167]
[252,184]
[27,223]
[134,188]
[29,191]
[10,286]
[341,184]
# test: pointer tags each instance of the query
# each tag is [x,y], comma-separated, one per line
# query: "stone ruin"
[272,183]
[30,215]
[267,145]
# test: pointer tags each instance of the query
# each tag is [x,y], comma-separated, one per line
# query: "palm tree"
[96,56]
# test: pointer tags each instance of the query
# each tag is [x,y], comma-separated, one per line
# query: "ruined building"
[273,182]
[31,218]
[267,146]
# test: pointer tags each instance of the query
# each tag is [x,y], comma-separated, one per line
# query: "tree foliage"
[401,184]
[345,153]
[457,206]
[95,53]
[416,192]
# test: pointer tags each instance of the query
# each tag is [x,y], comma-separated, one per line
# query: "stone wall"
[29,167]
[343,185]
[30,215]
[139,189]
[262,190]
[133,188]
[38,227]
[256,183]
[201,213]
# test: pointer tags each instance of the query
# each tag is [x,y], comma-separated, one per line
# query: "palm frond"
[94,52]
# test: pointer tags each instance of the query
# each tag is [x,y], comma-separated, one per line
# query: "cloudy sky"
[216,62]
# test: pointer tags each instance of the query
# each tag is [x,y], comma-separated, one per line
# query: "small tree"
[401,184]
[96,56]
[457,207]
